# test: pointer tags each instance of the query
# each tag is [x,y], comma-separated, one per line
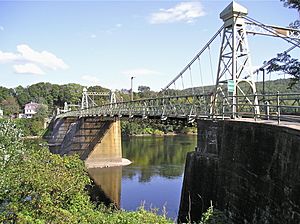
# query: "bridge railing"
[162,107]
[279,106]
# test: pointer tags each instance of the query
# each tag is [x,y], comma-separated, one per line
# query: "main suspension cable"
[195,58]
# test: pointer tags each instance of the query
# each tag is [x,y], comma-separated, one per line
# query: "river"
[155,176]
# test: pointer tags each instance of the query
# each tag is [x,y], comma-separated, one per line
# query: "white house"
[31,109]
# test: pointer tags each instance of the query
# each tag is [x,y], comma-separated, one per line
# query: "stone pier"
[97,141]
[248,170]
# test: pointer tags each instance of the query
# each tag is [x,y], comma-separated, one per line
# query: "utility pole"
[131,89]
[263,89]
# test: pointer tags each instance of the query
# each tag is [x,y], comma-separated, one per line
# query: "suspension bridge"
[237,164]
[234,94]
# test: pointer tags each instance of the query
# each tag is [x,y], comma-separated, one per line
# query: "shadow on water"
[153,179]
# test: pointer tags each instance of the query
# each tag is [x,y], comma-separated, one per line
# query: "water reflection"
[154,177]
[109,181]
[163,156]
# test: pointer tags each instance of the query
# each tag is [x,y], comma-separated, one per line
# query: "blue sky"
[106,42]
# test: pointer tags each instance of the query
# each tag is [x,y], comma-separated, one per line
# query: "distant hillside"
[281,85]
[12,100]
[272,86]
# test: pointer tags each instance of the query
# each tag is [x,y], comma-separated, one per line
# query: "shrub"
[39,187]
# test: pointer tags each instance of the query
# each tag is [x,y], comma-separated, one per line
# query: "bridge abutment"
[248,170]
[109,149]
[97,141]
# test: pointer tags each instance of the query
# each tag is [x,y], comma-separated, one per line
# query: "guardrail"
[279,106]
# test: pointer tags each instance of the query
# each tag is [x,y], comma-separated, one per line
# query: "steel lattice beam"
[274,31]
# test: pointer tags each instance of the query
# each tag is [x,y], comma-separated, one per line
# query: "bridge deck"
[287,124]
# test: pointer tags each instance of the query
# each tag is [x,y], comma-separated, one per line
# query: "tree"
[4,93]
[100,99]
[284,62]
[71,93]
[41,93]
[22,95]
[10,106]
[42,111]
[145,92]
[143,89]
[295,4]
[287,65]
[39,187]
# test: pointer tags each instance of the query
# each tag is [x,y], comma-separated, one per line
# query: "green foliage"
[140,216]
[42,112]
[51,95]
[36,184]
[71,93]
[295,4]
[99,89]
[4,93]
[146,127]
[39,187]
[281,85]
[214,216]
[143,89]
[130,128]
[30,127]
[10,106]
[36,126]
[157,132]
[138,128]
[10,146]
[39,93]
[285,64]
[145,92]
[22,95]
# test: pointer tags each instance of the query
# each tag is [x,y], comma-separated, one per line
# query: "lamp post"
[131,89]
[263,88]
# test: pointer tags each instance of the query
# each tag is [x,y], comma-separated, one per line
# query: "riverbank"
[104,164]
[159,135]
[31,137]
[48,188]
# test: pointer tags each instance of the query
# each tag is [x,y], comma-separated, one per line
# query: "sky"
[107,42]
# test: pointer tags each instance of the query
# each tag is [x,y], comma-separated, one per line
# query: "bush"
[30,127]
[39,187]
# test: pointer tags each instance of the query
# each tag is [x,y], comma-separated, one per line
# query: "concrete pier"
[97,141]
[249,170]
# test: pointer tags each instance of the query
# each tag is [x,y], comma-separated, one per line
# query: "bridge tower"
[84,100]
[87,102]
[234,65]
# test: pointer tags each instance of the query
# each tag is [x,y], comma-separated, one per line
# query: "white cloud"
[1,28]
[44,58]
[26,59]
[93,80]
[119,25]
[185,12]
[28,68]
[93,36]
[140,71]
[6,57]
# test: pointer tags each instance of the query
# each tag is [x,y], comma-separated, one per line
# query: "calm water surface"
[155,176]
